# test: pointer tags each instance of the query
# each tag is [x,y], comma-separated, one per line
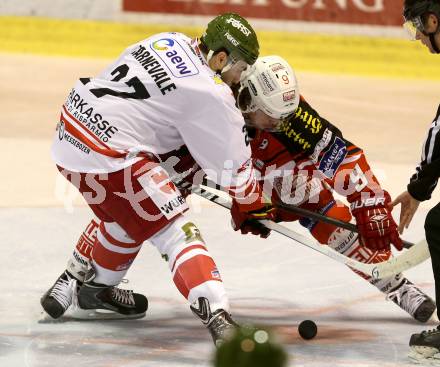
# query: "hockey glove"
[249,222]
[377,228]
[182,169]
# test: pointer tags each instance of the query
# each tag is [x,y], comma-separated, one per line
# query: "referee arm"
[425,179]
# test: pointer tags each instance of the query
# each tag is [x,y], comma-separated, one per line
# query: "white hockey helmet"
[269,85]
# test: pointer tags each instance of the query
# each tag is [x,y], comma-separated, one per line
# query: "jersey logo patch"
[325,140]
[264,144]
[175,57]
[217,79]
[333,158]
[163,192]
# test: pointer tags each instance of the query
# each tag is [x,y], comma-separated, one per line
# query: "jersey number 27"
[139,90]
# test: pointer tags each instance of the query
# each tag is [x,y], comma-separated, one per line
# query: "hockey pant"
[112,243]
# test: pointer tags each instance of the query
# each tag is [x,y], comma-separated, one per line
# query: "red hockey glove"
[248,222]
[377,228]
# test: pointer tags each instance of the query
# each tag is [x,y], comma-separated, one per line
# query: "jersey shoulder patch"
[175,55]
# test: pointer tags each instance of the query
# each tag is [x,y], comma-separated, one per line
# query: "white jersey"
[160,94]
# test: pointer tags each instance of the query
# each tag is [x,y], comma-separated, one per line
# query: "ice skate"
[60,296]
[103,301]
[219,322]
[425,347]
[411,299]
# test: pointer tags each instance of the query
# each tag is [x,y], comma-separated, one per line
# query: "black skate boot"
[425,347]
[219,322]
[60,296]
[411,299]
[111,300]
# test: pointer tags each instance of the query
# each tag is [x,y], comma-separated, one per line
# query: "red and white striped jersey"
[158,95]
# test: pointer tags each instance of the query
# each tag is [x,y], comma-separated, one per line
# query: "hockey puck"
[307,329]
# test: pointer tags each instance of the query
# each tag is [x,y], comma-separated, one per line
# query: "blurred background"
[331,36]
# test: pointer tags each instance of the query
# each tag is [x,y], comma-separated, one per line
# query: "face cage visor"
[246,104]
[233,62]
[412,26]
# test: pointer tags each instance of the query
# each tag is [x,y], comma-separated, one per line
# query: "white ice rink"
[273,282]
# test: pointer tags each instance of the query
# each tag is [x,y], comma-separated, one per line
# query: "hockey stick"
[412,257]
[312,215]
[323,218]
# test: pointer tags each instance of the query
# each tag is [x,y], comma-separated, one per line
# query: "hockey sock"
[113,253]
[194,271]
[78,264]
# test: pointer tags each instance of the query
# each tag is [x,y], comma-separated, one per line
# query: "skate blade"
[425,356]
[434,319]
[45,318]
[95,314]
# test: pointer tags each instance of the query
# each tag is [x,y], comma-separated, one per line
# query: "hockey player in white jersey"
[160,94]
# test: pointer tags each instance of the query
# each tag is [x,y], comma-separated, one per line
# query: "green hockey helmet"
[233,33]
[250,347]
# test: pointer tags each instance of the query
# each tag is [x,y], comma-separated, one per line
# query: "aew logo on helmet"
[237,24]
[231,39]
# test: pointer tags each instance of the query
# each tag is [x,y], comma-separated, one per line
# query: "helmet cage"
[415,25]
[415,17]
[245,101]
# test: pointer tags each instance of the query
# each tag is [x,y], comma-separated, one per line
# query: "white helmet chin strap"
[209,56]
[228,66]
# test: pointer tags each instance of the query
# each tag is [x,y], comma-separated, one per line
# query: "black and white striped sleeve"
[424,181]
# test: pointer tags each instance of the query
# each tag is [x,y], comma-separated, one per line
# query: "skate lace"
[431,331]
[408,297]
[220,327]
[220,323]
[123,296]
[63,291]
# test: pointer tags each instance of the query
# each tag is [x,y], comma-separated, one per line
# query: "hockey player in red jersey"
[160,94]
[302,158]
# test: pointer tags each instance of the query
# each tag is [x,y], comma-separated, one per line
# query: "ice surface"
[272,282]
